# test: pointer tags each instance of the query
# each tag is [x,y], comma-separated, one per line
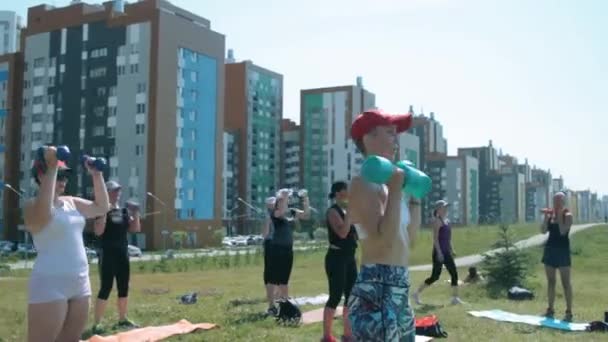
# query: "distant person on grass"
[443,253]
[556,255]
[112,230]
[340,262]
[267,234]
[386,223]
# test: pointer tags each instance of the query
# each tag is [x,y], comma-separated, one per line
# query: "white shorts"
[51,288]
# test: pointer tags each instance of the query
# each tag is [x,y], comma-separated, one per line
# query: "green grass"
[221,281]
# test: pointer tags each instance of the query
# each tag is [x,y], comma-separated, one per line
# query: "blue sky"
[530,75]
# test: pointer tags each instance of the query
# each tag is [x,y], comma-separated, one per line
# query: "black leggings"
[448,261]
[341,271]
[280,262]
[114,263]
[267,258]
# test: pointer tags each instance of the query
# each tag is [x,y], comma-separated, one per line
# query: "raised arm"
[101,205]
[38,212]
[281,208]
[100,225]
[304,214]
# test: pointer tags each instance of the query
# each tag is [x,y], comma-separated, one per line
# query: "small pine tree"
[508,267]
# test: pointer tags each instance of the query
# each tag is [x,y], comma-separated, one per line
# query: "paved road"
[533,241]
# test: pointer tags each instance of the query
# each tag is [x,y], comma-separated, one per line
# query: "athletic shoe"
[417,298]
[550,313]
[456,301]
[568,316]
[127,323]
[272,311]
[98,329]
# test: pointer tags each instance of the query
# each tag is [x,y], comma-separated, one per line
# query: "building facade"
[141,84]
[513,195]
[254,109]
[10,32]
[11,87]
[463,189]
[231,174]
[409,148]
[290,155]
[327,153]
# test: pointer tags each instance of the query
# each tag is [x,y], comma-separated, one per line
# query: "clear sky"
[530,75]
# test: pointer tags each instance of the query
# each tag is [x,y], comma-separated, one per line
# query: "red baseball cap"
[373,118]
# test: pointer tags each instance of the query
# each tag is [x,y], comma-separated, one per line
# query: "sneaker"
[127,323]
[417,298]
[550,313]
[272,311]
[568,316]
[456,301]
[98,329]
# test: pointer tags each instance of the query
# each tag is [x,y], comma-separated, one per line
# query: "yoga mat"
[503,316]
[153,334]
[316,316]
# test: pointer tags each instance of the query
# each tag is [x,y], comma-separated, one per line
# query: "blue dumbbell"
[63,153]
[98,164]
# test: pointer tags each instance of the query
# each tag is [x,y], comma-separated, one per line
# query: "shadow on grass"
[249,317]
[246,301]
[425,309]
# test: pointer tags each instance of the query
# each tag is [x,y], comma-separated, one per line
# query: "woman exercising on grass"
[267,233]
[556,255]
[386,224]
[443,253]
[59,286]
[340,263]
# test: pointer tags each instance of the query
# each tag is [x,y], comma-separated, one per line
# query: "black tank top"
[556,239]
[282,230]
[117,227]
[350,241]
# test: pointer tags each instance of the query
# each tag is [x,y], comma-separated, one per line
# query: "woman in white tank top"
[59,287]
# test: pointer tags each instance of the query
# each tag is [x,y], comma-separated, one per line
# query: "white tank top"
[60,245]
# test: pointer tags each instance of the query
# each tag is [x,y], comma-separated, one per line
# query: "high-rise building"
[327,152]
[584,206]
[605,207]
[141,84]
[10,32]
[538,194]
[409,148]
[11,87]
[489,181]
[463,189]
[513,195]
[231,174]
[558,184]
[290,155]
[254,109]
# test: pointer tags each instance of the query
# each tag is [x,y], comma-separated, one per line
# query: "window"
[101,91]
[26,84]
[192,174]
[97,72]
[37,81]
[50,99]
[193,134]
[191,213]
[37,100]
[192,154]
[139,129]
[193,95]
[190,194]
[134,49]
[141,108]
[52,62]
[194,76]
[113,91]
[121,50]
[141,87]
[99,131]
[97,150]
[99,111]
[134,171]
[25,102]
[112,151]
[39,62]
[111,132]
[193,114]
[99,53]
[134,68]
[121,70]
[112,111]
[139,150]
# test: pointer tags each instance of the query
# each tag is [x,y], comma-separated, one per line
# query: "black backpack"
[519,293]
[288,312]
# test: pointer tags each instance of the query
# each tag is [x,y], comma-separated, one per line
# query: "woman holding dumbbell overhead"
[283,220]
[112,229]
[386,224]
[59,286]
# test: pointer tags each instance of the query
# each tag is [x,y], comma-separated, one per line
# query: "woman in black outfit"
[114,257]
[267,233]
[340,263]
[556,254]
[283,220]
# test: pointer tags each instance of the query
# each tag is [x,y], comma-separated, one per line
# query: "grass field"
[224,280]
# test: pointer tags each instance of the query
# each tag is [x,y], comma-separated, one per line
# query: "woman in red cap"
[59,286]
[379,307]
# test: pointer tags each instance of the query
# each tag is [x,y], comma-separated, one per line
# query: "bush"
[217,237]
[507,268]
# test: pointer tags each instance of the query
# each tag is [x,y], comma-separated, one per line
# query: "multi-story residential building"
[513,195]
[10,32]
[290,154]
[605,208]
[11,86]
[141,84]
[538,194]
[436,169]
[463,189]
[489,181]
[231,174]
[584,206]
[409,148]
[558,184]
[327,152]
[254,109]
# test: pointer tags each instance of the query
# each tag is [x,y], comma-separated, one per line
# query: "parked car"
[227,242]
[26,248]
[91,253]
[134,251]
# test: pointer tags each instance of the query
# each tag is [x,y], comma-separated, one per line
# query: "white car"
[134,251]
[91,253]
